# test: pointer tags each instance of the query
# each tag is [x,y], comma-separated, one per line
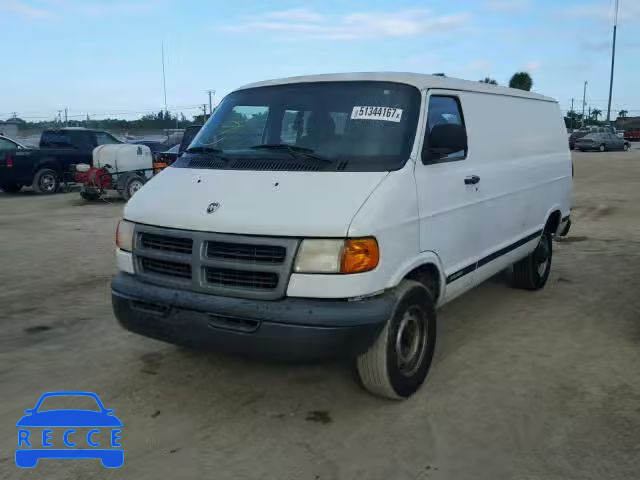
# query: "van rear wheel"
[532,272]
[396,365]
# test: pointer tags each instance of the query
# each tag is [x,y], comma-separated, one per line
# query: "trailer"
[124,168]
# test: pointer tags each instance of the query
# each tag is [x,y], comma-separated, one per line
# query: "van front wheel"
[532,272]
[396,365]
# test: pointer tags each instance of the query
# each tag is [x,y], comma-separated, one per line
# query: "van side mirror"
[444,139]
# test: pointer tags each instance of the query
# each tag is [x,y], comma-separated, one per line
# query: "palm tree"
[521,81]
[595,113]
[623,113]
[488,80]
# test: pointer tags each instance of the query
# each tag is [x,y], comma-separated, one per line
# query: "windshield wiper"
[294,150]
[203,149]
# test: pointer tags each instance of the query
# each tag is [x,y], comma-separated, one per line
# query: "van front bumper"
[291,329]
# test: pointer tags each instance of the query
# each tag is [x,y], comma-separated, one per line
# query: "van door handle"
[472,180]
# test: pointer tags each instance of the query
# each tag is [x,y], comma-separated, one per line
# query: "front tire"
[396,365]
[532,272]
[46,181]
[625,147]
[602,148]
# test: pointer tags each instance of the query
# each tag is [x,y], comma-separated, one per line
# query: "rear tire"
[11,187]
[602,148]
[397,363]
[46,181]
[532,272]
[625,147]
[131,185]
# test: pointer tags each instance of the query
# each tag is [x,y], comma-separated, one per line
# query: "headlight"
[353,255]
[319,256]
[124,235]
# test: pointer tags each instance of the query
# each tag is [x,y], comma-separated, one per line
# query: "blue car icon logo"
[39,428]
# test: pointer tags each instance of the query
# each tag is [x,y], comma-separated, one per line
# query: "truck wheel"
[46,181]
[532,272]
[626,147]
[396,365]
[11,187]
[602,148]
[131,186]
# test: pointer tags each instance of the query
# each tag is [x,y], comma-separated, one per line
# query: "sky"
[103,57]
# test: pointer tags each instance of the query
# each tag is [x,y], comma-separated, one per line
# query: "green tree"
[488,80]
[521,81]
[572,119]
[595,113]
[623,113]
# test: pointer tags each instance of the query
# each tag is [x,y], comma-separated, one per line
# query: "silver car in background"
[601,141]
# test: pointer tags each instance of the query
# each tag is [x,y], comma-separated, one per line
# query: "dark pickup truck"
[46,167]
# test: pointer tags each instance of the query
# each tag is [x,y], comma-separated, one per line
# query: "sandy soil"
[525,385]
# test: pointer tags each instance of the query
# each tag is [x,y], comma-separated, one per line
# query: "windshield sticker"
[388,114]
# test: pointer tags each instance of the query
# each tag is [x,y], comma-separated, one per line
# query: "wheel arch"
[427,269]
[554,219]
[49,163]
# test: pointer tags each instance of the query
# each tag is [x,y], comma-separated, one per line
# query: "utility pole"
[59,116]
[613,60]
[204,110]
[210,102]
[584,100]
[589,116]
[66,118]
[164,81]
[573,114]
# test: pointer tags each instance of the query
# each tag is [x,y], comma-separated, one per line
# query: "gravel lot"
[524,385]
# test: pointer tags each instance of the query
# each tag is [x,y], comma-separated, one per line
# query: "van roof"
[419,80]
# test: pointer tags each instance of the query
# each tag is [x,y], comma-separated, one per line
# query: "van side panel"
[520,149]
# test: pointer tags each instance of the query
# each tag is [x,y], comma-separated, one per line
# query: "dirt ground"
[527,386]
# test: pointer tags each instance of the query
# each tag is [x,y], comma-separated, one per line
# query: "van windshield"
[353,126]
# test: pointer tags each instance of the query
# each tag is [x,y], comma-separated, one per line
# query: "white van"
[330,215]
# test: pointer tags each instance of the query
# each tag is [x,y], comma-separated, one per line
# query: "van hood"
[307,204]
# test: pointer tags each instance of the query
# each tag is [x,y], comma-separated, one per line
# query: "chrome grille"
[163,267]
[167,244]
[243,252]
[221,264]
[241,278]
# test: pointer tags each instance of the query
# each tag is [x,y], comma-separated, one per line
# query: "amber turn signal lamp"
[359,255]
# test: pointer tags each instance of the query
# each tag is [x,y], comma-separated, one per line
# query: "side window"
[292,126]
[299,126]
[81,140]
[7,146]
[55,139]
[448,144]
[103,138]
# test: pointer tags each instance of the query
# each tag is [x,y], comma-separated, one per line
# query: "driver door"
[449,197]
